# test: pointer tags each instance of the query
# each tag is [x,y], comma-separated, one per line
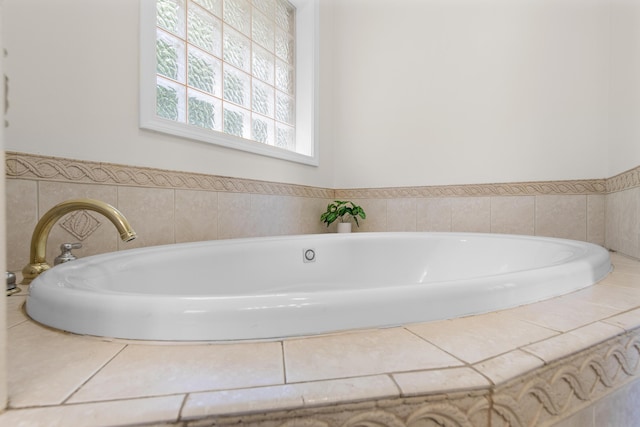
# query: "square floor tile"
[361,353]
[150,370]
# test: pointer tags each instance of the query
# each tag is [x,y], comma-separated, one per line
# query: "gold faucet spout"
[37,258]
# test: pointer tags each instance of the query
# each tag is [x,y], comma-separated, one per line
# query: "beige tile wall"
[623,221]
[172,207]
[622,207]
[159,216]
[580,217]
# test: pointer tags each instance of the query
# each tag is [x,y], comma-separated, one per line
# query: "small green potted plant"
[343,211]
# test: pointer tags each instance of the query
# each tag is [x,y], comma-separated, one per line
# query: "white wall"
[74,93]
[625,86]
[413,92]
[468,91]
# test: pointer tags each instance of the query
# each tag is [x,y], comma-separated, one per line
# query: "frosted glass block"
[170,100]
[204,111]
[213,6]
[228,65]
[285,137]
[237,87]
[263,98]
[284,46]
[237,49]
[237,121]
[204,30]
[263,130]
[265,6]
[170,56]
[284,77]
[237,13]
[263,31]
[285,108]
[170,16]
[205,72]
[263,65]
[286,16]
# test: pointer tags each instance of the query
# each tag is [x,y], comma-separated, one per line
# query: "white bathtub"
[266,288]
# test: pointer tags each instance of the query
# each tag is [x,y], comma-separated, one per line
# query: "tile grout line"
[284,363]
[90,377]
[395,383]
[94,402]
[464,362]
[182,406]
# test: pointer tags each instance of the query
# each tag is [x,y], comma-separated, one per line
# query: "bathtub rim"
[373,402]
[89,308]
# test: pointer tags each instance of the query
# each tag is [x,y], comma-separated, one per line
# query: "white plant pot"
[344,227]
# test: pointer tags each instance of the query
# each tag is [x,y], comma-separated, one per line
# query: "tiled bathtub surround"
[572,361]
[172,207]
[588,339]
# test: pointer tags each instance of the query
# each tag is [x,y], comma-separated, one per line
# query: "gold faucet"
[37,262]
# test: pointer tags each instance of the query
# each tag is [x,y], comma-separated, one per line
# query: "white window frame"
[307,90]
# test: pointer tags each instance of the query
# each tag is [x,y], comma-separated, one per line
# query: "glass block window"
[228,66]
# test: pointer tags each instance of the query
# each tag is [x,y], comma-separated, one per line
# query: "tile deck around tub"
[57,378]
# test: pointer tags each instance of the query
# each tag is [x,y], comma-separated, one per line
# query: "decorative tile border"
[547,395]
[624,180]
[30,166]
[459,409]
[542,397]
[594,186]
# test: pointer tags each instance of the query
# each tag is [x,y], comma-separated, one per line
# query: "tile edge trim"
[47,168]
[543,396]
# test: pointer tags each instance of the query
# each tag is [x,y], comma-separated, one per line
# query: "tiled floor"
[63,379]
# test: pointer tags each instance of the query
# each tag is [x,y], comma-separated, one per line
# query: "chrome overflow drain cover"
[309,255]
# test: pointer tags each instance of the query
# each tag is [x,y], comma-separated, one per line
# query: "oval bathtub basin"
[266,288]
